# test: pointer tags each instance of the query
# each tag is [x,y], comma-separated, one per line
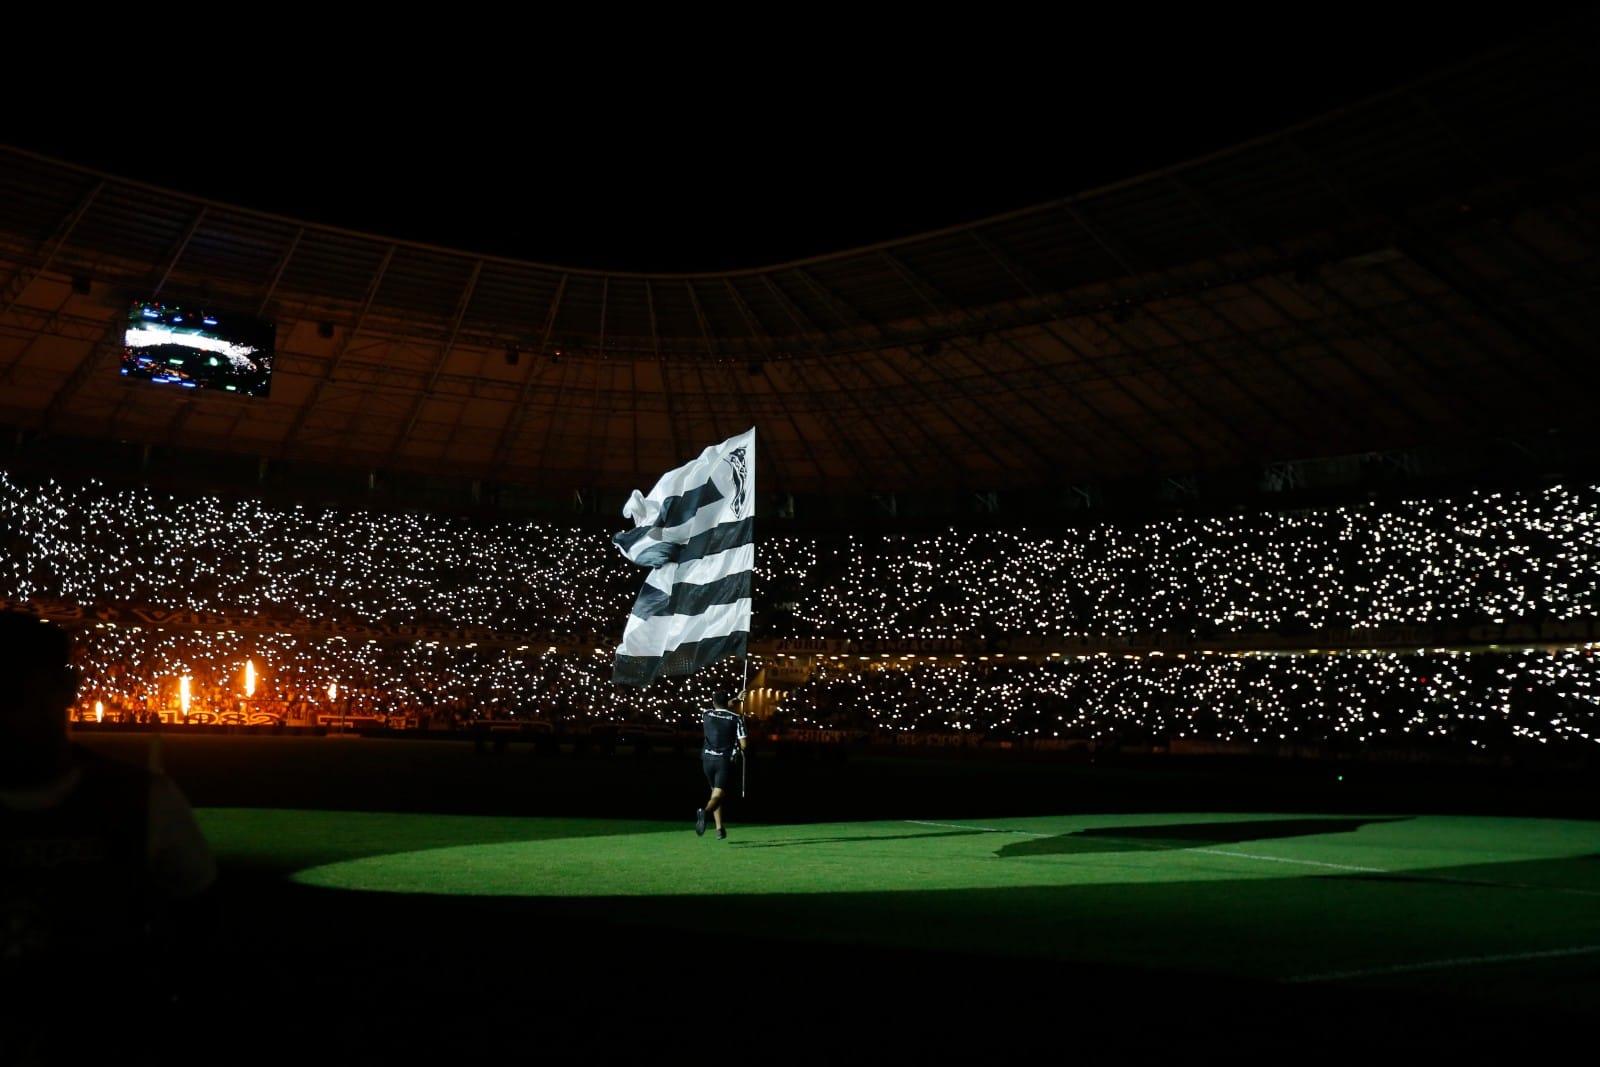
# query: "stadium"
[1167,619]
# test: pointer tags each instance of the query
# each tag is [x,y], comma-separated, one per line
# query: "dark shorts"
[719,770]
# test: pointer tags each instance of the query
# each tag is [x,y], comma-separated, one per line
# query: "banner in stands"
[69,614]
[1519,632]
[1459,635]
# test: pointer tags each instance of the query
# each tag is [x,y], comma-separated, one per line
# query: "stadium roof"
[1416,268]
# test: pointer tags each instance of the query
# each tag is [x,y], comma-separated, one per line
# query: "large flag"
[695,530]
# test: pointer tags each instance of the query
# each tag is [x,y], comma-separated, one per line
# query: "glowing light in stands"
[1464,558]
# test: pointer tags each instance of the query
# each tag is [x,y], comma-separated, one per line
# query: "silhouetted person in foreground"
[106,883]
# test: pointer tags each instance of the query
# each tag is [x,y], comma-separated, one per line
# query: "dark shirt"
[103,879]
[724,731]
[72,877]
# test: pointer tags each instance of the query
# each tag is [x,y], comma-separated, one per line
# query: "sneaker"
[722,835]
[700,822]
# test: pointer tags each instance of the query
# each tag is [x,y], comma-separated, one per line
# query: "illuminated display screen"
[196,348]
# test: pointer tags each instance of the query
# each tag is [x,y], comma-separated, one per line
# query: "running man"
[725,740]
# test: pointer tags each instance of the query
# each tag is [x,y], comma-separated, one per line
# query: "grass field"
[934,931]
[1275,897]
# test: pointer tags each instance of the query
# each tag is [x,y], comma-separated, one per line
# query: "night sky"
[696,165]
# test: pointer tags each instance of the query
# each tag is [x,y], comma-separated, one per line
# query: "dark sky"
[699,165]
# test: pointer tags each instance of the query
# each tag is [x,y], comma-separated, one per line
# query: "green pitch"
[1499,907]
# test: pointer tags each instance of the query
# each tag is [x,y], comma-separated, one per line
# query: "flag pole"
[744,757]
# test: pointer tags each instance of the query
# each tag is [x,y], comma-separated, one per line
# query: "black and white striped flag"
[695,530]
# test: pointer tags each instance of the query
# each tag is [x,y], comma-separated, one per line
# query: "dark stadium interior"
[1172,622]
[1293,297]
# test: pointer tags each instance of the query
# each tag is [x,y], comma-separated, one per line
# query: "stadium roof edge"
[1043,207]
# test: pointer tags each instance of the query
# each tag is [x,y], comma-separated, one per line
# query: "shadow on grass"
[859,838]
[1103,839]
[1572,875]
[1129,956]
[1114,838]
[271,843]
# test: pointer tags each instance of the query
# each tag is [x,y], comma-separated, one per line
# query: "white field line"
[1334,976]
[1441,965]
[1303,863]
[1441,878]
[1283,859]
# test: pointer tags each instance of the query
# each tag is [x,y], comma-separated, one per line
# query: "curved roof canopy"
[1416,268]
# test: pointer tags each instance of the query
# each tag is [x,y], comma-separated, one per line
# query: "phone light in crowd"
[99,711]
[333,690]
[249,677]
[183,694]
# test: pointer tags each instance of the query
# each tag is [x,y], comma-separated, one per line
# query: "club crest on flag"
[736,460]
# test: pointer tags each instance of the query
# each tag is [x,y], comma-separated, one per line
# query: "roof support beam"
[808,329]
[1375,391]
[597,417]
[1319,398]
[939,452]
[940,304]
[51,322]
[321,384]
[242,404]
[543,464]
[661,361]
[1125,263]
[50,249]
[1069,389]
[536,362]
[785,477]
[637,463]
[1060,333]
[410,421]
[91,361]
[1526,331]
[1434,375]
[1060,318]
[764,340]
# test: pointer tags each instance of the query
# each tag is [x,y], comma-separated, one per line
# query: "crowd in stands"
[135,671]
[1433,699]
[1475,556]
[1478,555]
[1371,698]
